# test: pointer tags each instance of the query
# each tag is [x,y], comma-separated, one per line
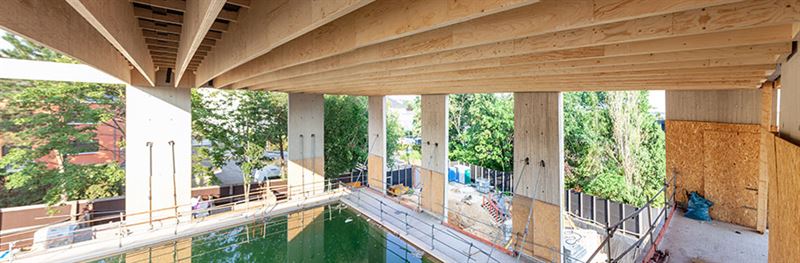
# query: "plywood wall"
[784,185]
[720,161]
[433,192]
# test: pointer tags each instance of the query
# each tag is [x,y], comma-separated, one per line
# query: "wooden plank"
[376,139]
[375,23]
[784,204]
[56,25]
[160,35]
[577,27]
[175,5]
[115,21]
[544,228]
[730,170]
[268,24]
[160,27]
[198,18]
[573,58]
[164,17]
[765,145]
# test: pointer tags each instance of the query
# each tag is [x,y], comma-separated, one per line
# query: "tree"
[240,126]
[393,134]
[51,122]
[346,133]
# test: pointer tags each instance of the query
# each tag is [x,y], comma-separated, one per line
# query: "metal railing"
[122,225]
[611,229]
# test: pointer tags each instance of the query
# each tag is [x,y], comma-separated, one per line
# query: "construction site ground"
[689,240]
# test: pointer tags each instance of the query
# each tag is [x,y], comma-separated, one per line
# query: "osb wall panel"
[375,172]
[544,229]
[784,184]
[719,161]
[432,199]
[731,175]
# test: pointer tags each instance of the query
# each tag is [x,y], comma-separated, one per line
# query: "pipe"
[150,187]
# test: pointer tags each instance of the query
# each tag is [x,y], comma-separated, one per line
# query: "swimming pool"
[332,233]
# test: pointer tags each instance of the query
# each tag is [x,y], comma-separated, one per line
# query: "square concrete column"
[306,144]
[538,174]
[376,167]
[158,152]
[434,161]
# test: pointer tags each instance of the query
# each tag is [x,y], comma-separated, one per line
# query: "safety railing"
[611,229]
[121,226]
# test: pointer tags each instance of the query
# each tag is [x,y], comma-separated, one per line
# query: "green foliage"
[345,134]
[614,148]
[393,134]
[48,122]
[481,130]
[50,119]
[240,126]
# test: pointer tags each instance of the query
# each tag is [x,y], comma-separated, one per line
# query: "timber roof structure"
[387,47]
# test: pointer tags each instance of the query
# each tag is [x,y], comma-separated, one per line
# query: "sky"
[3,43]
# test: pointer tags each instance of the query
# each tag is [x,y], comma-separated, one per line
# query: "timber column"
[306,137]
[434,163]
[158,151]
[538,174]
[376,167]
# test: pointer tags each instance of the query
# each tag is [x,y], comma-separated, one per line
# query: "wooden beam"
[56,25]
[572,61]
[175,5]
[159,26]
[520,23]
[115,21]
[198,19]
[617,35]
[378,22]
[240,3]
[268,24]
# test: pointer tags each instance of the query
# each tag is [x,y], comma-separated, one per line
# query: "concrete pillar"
[306,137]
[434,161]
[376,167]
[158,131]
[538,174]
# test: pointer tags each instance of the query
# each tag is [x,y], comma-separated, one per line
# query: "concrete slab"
[689,240]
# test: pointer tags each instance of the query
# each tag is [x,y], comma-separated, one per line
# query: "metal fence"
[602,211]
[499,180]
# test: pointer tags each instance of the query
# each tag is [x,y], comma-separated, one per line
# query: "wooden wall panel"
[789,122]
[543,240]
[434,152]
[729,106]
[376,168]
[784,219]
[376,172]
[719,161]
[433,192]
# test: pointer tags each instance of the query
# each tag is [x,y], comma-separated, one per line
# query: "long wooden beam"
[56,25]
[697,22]
[197,20]
[268,24]
[540,19]
[571,60]
[115,21]
[381,21]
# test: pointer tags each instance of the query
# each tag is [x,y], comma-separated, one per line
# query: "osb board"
[784,237]
[432,199]
[177,251]
[731,175]
[719,159]
[543,240]
[375,172]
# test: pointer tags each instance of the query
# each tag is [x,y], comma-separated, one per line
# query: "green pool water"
[331,233]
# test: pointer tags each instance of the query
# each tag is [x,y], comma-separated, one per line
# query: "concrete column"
[434,161]
[376,167]
[538,174]
[306,137]
[158,131]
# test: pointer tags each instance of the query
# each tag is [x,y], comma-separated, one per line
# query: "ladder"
[491,206]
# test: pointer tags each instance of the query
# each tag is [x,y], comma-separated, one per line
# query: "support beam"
[435,160]
[116,22]
[197,20]
[306,147]
[538,174]
[382,21]
[268,24]
[789,123]
[158,131]
[376,167]
[766,144]
[56,25]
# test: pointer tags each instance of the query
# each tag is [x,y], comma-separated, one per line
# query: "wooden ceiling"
[379,47]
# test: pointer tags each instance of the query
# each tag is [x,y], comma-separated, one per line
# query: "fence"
[500,180]
[601,211]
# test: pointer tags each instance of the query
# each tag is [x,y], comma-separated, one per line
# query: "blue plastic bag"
[698,207]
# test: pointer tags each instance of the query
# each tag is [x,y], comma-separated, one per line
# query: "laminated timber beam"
[268,24]
[197,20]
[115,20]
[378,22]
[56,25]
[544,24]
[643,35]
